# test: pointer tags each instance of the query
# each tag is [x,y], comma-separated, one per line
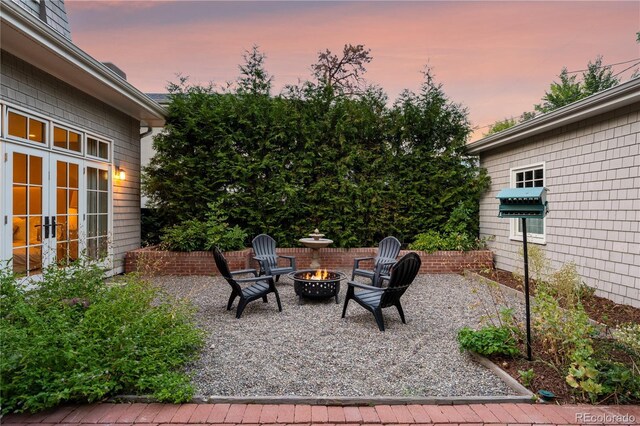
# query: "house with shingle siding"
[70,145]
[587,154]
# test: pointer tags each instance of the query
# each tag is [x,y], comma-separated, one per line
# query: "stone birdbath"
[315,243]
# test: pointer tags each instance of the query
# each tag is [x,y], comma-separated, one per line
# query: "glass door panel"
[67,213]
[97,212]
[27,212]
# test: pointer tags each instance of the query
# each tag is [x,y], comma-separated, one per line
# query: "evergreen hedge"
[350,165]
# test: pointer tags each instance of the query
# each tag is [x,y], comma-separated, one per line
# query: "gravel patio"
[308,350]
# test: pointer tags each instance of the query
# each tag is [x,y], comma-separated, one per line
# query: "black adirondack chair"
[262,286]
[374,299]
[388,250]
[265,249]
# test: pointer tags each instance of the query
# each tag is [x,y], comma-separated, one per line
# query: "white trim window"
[531,176]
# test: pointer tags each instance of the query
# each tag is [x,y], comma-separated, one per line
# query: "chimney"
[115,69]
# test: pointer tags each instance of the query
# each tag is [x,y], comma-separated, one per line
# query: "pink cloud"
[497,58]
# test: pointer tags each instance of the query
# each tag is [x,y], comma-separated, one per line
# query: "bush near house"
[75,338]
[315,155]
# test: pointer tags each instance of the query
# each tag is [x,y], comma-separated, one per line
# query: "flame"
[318,275]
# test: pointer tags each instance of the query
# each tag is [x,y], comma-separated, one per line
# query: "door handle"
[54,230]
[46,226]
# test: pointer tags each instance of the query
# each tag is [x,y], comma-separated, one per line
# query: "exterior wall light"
[120,173]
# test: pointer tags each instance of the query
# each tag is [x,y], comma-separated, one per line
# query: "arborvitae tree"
[315,156]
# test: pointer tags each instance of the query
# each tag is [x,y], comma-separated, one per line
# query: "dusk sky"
[496,58]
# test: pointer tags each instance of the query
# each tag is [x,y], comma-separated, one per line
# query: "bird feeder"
[523,204]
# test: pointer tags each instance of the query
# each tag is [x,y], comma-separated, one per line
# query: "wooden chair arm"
[245,271]
[254,279]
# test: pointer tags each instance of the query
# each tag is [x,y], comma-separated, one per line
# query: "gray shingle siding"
[25,85]
[56,14]
[592,171]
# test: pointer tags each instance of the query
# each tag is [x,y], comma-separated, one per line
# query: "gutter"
[617,97]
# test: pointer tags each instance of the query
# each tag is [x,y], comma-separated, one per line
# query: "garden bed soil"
[546,376]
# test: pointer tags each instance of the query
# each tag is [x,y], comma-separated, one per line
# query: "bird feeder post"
[523,204]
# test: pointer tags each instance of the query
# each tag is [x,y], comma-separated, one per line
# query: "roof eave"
[617,97]
[31,40]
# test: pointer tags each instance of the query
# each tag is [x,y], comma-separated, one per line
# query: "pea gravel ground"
[308,350]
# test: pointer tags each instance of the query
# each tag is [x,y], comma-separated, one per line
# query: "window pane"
[528,175]
[59,137]
[35,229]
[17,125]
[36,130]
[92,248]
[103,181]
[92,147]
[61,201]
[92,178]
[538,174]
[73,201]
[20,261]
[62,229]
[103,207]
[35,200]
[74,142]
[35,170]
[73,175]
[73,250]
[104,150]
[35,259]
[19,168]
[62,174]
[73,227]
[102,224]
[19,200]
[92,202]
[92,225]
[19,231]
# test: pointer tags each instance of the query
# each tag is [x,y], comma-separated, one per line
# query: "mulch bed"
[546,376]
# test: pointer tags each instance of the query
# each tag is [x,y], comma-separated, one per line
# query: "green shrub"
[432,241]
[73,338]
[489,340]
[193,235]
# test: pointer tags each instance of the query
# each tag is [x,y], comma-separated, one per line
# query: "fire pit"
[316,284]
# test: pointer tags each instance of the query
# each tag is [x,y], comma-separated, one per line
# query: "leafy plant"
[489,340]
[432,241]
[527,377]
[192,235]
[73,337]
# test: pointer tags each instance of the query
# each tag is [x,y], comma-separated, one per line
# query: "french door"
[55,206]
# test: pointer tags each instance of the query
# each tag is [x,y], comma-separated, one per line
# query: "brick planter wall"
[150,260]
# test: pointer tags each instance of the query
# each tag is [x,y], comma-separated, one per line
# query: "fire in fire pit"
[317,284]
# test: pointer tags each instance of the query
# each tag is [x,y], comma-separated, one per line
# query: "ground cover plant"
[72,337]
[330,153]
[574,357]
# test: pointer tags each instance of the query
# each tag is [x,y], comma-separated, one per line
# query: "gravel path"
[308,350]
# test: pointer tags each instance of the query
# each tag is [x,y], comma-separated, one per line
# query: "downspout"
[146,132]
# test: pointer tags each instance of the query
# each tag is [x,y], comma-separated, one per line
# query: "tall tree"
[254,78]
[561,93]
[598,77]
[343,73]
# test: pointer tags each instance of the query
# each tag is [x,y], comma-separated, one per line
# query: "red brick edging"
[159,262]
